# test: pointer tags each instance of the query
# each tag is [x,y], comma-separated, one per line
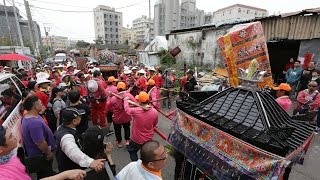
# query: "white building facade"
[190,15]
[142,30]
[237,12]
[107,24]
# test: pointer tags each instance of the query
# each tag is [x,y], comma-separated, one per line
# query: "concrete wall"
[195,50]
[311,46]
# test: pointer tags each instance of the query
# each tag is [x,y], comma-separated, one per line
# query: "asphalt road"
[308,171]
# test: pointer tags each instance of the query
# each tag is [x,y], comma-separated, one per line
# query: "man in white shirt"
[69,154]
[153,158]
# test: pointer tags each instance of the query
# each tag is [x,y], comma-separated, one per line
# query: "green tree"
[99,40]
[166,57]
[82,44]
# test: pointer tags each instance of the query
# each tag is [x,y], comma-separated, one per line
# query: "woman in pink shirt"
[283,91]
[154,94]
[119,117]
[144,120]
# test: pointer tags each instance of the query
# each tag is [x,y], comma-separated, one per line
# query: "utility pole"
[149,25]
[31,30]
[19,31]
[9,28]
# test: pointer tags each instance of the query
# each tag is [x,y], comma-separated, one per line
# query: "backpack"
[51,118]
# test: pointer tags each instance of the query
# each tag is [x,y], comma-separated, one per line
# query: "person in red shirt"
[288,66]
[142,81]
[98,102]
[83,85]
[56,76]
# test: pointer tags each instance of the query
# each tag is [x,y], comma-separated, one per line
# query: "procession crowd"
[57,105]
[302,85]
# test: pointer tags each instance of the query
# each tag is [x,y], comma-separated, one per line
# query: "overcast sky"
[80,25]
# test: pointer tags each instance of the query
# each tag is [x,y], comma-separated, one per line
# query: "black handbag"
[37,163]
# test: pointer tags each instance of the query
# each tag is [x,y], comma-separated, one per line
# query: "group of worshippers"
[303,82]
[59,103]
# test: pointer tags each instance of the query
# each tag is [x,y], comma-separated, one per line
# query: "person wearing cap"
[37,70]
[56,76]
[69,155]
[37,138]
[308,99]
[57,104]
[47,70]
[111,88]
[283,92]
[75,101]
[141,82]
[65,78]
[43,91]
[98,105]
[70,69]
[153,75]
[154,94]
[144,120]
[119,116]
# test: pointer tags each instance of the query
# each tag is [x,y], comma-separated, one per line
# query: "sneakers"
[109,133]
[127,142]
[119,144]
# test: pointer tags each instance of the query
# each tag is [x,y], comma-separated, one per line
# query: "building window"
[111,35]
[111,29]
[239,10]
[248,11]
[110,16]
[116,29]
[116,23]
[255,13]
[230,11]
[116,42]
[105,16]
[116,36]
[115,16]
[223,13]
[110,22]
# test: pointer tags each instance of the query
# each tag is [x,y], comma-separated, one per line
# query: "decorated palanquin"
[239,133]
[240,46]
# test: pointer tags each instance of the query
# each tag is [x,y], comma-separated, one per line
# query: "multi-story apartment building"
[166,16]
[107,24]
[237,12]
[57,42]
[189,15]
[4,26]
[142,29]
[208,18]
[128,36]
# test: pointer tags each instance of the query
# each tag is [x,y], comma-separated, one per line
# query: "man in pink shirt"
[154,94]
[120,117]
[283,92]
[111,88]
[144,120]
[308,99]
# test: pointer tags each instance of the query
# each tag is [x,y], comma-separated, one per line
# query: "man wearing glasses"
[153,158]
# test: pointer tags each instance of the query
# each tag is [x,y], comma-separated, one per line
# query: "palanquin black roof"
[252,116]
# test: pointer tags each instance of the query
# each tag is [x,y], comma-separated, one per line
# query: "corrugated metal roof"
[293,27]
[299,25]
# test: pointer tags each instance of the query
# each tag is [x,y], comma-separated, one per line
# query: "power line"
[77,11]
[59,4]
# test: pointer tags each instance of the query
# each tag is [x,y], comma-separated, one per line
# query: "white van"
[11,90]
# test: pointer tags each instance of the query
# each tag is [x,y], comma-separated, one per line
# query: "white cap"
[64,75]
[38,68]
[152,69]
[134,68]
[69,65]
[75,72]
[60,66]
[142,71]
[42,75]
[86,75]
[46,66]
[41,81]
[6,67]
[127,71]
[92,85]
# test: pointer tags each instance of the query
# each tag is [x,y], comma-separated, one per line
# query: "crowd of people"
[302,85]
[60,100]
